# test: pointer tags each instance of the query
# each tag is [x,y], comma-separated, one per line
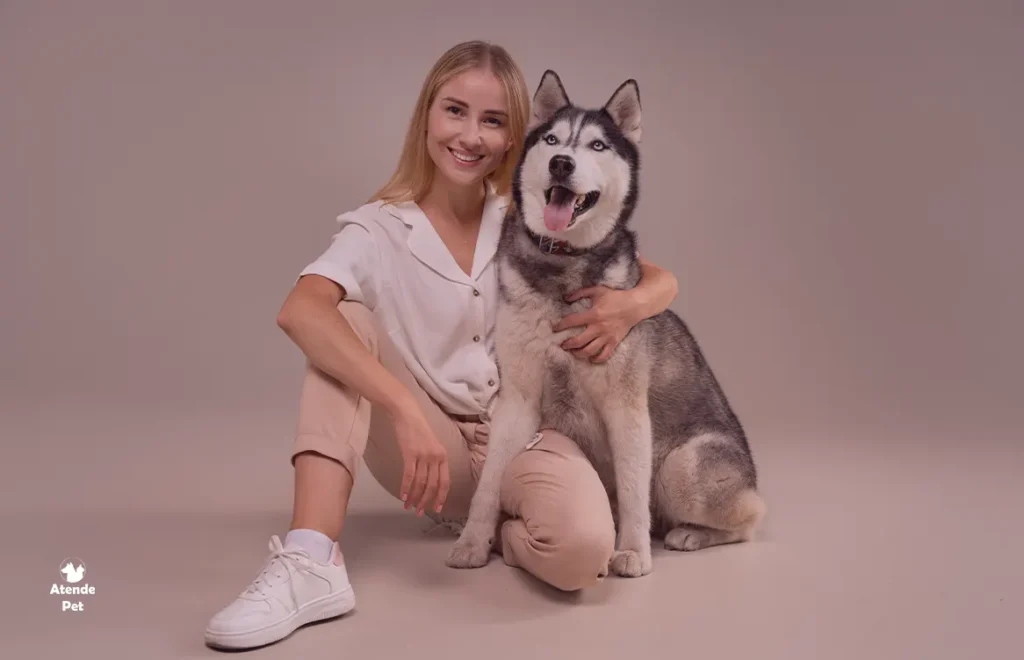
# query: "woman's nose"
[471,134]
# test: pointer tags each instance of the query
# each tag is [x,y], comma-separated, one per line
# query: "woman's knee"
[581,554]
[566,534]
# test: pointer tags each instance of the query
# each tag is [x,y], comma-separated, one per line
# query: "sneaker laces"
[290,560]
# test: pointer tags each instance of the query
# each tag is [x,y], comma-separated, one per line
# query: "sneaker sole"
[328,607]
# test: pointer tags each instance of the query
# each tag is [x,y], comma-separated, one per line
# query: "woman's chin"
[464,176]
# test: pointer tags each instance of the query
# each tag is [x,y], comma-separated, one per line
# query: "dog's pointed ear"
[549,98]
[624,108]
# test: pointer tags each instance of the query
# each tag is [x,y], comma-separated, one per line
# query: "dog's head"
[578,176]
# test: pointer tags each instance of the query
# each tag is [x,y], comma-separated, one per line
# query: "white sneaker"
[290,591]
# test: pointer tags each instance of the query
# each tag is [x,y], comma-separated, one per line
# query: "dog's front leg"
[629,434]
[514,423]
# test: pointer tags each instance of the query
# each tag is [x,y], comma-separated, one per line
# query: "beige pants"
[559,526]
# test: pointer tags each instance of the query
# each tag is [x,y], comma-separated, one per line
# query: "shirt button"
[491,383]
[475,292]
[476,338]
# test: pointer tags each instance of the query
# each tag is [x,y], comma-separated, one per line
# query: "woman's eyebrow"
[466,105]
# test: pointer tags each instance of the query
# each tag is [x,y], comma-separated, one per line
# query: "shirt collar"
[427,246]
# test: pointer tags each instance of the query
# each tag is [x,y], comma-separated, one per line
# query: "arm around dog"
[614,312]
[657,289]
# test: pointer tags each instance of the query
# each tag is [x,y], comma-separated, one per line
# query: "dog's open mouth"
[564,206]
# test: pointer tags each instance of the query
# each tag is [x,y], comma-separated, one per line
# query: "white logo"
[72,572]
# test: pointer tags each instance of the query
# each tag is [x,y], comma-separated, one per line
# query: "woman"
[396,321]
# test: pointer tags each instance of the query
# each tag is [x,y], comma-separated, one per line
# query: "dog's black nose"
[561,166]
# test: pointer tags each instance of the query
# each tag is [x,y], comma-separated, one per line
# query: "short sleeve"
[352,260]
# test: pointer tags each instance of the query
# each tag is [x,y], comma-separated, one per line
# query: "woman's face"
[467,128]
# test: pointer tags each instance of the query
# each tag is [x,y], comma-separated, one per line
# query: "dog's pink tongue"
[557,216]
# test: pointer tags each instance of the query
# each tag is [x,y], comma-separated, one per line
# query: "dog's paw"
[687,538]
[468,553]
[630,563]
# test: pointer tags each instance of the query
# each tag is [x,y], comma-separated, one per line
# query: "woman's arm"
[614,312]
[654,293]
[311,318]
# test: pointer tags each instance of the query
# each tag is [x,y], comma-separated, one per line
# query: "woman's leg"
[561,530]
[305,578]
[337,427]
[321,493]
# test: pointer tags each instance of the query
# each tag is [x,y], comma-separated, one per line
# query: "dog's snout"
[561,166]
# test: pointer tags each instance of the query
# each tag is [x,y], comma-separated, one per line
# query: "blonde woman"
[396,321]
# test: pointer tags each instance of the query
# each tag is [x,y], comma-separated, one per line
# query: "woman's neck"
[464,204]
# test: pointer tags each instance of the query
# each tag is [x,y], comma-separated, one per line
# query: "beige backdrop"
[838,188]
[838,185]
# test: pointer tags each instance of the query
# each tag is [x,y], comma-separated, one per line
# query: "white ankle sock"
[316,543]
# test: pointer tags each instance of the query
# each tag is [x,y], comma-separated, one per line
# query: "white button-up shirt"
[389,258]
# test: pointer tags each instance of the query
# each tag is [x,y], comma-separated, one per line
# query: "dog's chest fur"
[530,356]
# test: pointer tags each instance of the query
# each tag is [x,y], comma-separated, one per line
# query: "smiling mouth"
[557,213]
[465,158]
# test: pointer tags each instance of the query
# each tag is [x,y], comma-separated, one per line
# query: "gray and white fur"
[653,419]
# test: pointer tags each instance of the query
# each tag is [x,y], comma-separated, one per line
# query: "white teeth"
[580,199]
[465,158]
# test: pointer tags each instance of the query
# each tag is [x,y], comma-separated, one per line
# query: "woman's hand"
[425,477]
[614,312]
[611,316]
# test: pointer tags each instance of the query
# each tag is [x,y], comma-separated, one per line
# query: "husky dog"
[653,419]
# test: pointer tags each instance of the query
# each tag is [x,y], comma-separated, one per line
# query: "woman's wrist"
[654,293]
[401,404]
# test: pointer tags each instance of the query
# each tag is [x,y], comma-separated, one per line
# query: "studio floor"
[878,544]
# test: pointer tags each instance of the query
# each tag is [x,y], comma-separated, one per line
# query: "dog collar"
[554,246]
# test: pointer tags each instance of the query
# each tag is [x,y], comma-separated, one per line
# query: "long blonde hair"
[413,176]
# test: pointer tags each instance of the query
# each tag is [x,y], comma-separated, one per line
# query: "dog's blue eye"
[551,139]
[597,145]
